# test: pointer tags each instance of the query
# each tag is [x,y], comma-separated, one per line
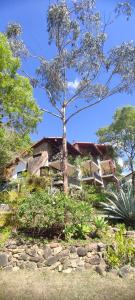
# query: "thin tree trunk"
[65,154]
[133,179]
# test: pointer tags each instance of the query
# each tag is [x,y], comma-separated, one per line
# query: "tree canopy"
[19,113]
[121,133]
[18,108]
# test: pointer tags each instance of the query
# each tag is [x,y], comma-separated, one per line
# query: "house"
[96,167]
[99,168]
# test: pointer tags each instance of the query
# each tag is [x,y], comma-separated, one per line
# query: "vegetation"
[19,114]
[80,50]
[55,213]
[121,134]
[121,251]
[121,206]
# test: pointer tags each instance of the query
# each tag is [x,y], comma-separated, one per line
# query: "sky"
[31,14]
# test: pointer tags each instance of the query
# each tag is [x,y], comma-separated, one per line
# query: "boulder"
[52,260]
[3,260]
[125,271]
[57,250]
[94,260]
[31,265]
[47,252]
[81,251]
[92,247]
[72,249]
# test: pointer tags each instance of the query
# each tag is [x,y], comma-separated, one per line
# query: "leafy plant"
[4,235]
[100,222]
[121,205]
[122,250]
[43,211]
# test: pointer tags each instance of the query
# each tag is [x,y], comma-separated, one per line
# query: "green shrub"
[121,251]
[93,195]
[4,235]
[43,211]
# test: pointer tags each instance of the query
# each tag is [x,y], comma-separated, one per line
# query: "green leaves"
[44,211]
[17,105]
[121,134]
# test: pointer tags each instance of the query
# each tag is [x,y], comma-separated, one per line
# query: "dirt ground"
[22,285]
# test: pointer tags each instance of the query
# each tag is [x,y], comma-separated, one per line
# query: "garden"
[43,228]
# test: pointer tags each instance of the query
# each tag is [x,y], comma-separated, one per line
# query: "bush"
[121,251]
[42,211]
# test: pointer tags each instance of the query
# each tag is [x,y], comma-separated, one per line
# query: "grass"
[24,285]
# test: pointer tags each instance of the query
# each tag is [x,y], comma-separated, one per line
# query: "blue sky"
[31,14]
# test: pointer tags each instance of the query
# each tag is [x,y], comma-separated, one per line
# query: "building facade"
[95,167]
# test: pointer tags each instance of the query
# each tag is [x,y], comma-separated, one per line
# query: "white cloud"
[73,84]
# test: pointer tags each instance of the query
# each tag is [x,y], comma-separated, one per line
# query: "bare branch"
[51,113]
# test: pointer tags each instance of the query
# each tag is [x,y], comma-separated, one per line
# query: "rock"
[40,265]
[63,254]
[67,263]
[47,252]
[37,259]
[81,251]
[8,268]
[31,265]
[74,263]
[23,256]
[54,245]
[3,260]
[80,263]
[15,269]
[60,268]
[67,271]
[55,266]
[31,252]
[73,255]
[100,270]
[94,260]
[72,249]
[92,247]
[18,250]
[40,252]
[101,247]
[57,250]
[52,260]
[125,271]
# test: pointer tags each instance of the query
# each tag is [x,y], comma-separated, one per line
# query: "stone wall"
[19,255]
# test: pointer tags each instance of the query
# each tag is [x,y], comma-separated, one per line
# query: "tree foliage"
[17,105]
[121,133]
[19,113]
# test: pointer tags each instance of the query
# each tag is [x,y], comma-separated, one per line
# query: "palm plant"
[121,205]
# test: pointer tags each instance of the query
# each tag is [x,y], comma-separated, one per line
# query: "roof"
[98,149]
[56,142]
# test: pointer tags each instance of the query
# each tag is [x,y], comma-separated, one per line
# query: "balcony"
[58,177]
[108,170]
[90,172]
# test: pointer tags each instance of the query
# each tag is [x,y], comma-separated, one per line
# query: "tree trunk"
[133,179]
[65,155]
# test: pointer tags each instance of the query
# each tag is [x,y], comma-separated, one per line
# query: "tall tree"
[19,112]
[121,133]
[76,29]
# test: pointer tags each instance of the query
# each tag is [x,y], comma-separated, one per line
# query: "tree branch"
[51,113]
